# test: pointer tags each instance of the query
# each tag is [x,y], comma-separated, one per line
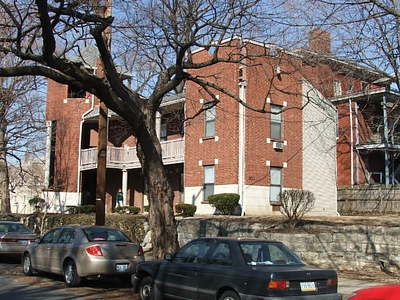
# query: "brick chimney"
[320,41]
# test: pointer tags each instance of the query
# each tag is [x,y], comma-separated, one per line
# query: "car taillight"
[140,251]
[278,284]
[332,282]
[6,240]
[94,250]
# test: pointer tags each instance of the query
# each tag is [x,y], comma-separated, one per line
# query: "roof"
[311,57]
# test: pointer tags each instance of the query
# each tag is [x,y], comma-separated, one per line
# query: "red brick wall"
[261,83]
[68,116]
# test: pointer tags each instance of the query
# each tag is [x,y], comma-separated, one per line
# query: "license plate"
[307,286]
[121,267]
[23,242]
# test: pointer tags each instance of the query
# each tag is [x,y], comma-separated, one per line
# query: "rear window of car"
[268,253]
[98,234]
[13,227]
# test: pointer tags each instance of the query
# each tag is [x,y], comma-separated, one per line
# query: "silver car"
[14,237]
[82,251]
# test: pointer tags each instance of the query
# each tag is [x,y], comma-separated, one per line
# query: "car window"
[51,237]
[98,234]
[11,227]
[67,236]
[268,253]
[193,252]
[221,255]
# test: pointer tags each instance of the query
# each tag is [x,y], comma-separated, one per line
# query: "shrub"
[133,210]
[185,209]
[82,209]
[146,208]
[36,201]
[225,203]
[295,204]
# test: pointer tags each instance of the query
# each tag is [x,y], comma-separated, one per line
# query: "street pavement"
[14,285]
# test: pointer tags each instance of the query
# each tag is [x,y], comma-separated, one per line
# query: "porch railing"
[126,158]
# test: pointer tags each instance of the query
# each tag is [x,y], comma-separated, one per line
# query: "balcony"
[125,157]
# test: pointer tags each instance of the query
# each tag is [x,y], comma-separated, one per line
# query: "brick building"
[227,148]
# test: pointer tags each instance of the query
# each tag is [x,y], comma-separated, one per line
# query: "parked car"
[381,292]
[233,269]
[14,237]
[83,251]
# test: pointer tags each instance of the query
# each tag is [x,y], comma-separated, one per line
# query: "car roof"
[9,222]
[239,238]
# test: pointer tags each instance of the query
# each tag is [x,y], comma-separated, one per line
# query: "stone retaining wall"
[369,199]
[358,248]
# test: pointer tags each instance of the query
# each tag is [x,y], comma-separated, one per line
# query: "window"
[209,180]
[193,252]
[276,122]
[209,125]
[51,236]
[221,255]
[163,132]
[67,236]
[276,184]
[337,88]
[74,92]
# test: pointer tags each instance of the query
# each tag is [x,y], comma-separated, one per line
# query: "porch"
[126,158]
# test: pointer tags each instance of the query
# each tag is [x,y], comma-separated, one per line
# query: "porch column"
[158,124]
[125,186]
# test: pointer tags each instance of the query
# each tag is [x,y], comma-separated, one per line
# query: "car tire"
[71,276]
[229,295]
[146,288]
[27,265]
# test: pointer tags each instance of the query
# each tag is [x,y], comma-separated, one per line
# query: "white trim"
[200,163]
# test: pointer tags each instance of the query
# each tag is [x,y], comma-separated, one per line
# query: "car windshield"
[95,234]
[268,253]
[13,227]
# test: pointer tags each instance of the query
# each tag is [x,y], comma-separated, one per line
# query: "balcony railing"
[126,158]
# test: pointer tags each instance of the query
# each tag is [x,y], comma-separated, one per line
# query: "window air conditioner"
[277,145]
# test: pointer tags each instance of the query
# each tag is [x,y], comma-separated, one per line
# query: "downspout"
[386,137]
[351,144]
[357,143]
[242,148]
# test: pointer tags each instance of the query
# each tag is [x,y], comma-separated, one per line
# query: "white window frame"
[275,184]
[276,122]
[209,119]
[208,181]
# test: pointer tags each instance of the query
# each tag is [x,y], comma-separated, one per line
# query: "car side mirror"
[168,256]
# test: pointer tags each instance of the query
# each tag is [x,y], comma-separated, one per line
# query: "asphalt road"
[15,286]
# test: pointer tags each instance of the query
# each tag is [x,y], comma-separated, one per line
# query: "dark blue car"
[233,269]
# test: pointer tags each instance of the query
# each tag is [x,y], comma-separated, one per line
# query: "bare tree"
[155,41]
[21,123]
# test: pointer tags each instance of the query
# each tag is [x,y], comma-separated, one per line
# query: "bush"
[133,210]
[295,204]
[185,209]
[225,203]
[83,209]
[36,201]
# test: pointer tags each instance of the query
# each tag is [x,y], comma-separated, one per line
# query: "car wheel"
[27,265]
[146,291]
[71,276]
[229,295]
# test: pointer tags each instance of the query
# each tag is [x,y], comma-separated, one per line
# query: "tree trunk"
[4,177]
[162,221]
